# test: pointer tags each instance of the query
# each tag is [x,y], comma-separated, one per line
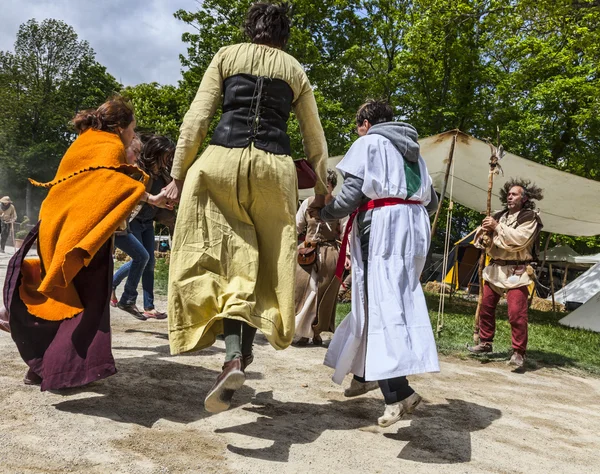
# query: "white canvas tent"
[586,259]
[570,204]
[559,254]
[582,288]
[586,316]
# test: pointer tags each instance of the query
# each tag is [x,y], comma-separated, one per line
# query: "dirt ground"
[290,417]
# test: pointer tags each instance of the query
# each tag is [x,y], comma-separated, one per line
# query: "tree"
[158,109]
[529,67]
[48,77]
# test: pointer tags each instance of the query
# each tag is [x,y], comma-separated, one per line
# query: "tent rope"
[441,304]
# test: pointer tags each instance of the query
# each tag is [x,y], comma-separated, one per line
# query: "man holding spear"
[511,239]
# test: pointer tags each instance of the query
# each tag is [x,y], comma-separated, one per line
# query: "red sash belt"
[339,271]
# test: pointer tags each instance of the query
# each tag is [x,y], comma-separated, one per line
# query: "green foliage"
[161,276]
[159,109]
[529,67]
[48,77]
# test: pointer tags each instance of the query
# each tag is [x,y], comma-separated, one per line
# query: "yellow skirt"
[234,248]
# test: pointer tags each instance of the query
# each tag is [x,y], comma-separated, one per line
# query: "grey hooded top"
[404,137]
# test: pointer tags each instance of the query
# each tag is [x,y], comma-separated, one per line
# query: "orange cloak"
[89,197]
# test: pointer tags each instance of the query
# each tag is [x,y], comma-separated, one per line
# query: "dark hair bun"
[268,24]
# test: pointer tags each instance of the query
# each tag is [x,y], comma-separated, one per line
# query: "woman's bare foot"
[153,314]
[113,298]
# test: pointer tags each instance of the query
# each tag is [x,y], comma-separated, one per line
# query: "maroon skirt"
[72,352]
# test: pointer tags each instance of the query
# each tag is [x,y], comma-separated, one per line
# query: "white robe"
[398,339]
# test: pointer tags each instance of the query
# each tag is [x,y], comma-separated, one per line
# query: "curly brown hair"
[530,191]
[332,177]
[116,112]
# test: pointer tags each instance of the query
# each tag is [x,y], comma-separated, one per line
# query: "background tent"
[561,254]
[463,262]
[582,288]
[586,316]
[570,202]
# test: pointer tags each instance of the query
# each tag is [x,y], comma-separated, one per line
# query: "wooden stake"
[12,236]
[552,288]
[564,283]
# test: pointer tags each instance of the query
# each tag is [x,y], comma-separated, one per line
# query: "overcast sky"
[137,40]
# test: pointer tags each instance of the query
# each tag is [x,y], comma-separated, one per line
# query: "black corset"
[255,110]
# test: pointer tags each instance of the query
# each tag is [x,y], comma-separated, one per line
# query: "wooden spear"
[497,152]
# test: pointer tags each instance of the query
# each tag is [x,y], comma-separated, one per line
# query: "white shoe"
[357,388]
[396,411]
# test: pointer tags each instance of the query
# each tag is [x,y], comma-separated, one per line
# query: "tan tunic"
[316,285]
[9,215]
[509,242]
[234,247]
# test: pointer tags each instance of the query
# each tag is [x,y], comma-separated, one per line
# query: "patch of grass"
[550,343]
[161,276]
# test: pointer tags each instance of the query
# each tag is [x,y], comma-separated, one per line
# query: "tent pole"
[552,289]
[539,270]
[564,283]
[444,186]
[454,279]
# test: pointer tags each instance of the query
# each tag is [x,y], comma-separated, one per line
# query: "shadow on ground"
[437,434]
[441,433]
[147,389]
[533,360]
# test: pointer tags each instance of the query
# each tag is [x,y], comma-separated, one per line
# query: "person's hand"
[489,224]
[173,190]
[314,209]
[348,263]
[160,200]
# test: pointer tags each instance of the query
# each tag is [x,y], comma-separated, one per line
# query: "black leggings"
[239,337]
[396,389]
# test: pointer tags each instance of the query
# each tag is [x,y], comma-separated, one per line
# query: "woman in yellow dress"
[234,251]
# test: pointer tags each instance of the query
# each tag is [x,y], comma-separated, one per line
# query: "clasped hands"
[168,196]
[489,224]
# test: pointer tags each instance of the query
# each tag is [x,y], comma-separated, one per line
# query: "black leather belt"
[510,262]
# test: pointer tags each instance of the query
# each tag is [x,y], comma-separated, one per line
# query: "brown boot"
[31,378]
[231,379]
[517,359]
[481,348]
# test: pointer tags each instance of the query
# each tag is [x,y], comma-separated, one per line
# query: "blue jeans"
[139,245]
